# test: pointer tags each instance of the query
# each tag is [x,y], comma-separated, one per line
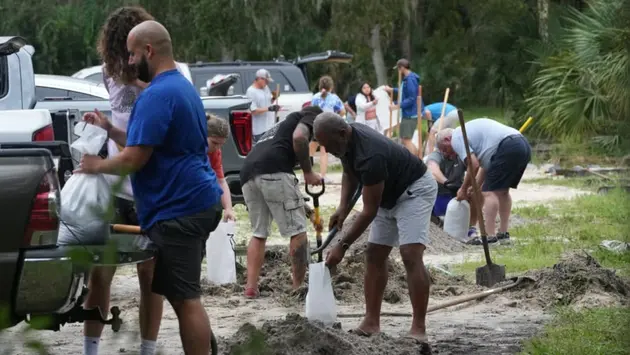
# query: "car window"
[279,78]
[42,92]
[4,77]
[82,96]
[96,77]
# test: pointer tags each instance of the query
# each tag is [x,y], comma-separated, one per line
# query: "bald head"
[150,49]
[154,34]
[332,132]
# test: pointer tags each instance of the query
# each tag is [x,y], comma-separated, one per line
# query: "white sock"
[90,345]
[147,347]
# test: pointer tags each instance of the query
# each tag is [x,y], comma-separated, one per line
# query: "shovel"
[491,273]
[318,221]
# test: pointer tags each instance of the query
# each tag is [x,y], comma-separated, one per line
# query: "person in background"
[123,85]
[328,101]
[432,113]
[407,103]
[351,108]
[499,157]
[449,173]
[263,112]
[398,195]
[218,130]
[366,108]
[175,189]
[271,192]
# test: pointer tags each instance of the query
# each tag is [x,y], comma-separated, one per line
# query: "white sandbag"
[457,219]
[220,259]
[321,304]
[85,198]
[382,108]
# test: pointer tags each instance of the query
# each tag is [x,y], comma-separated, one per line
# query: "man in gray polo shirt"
[263,117]
[499,156]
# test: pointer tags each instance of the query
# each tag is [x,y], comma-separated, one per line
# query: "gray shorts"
[408,222]
[275,196]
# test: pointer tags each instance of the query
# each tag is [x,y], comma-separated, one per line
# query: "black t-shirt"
[274,153]
[373,158]
[453,169]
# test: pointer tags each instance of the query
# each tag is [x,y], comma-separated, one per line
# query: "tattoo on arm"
[300,146]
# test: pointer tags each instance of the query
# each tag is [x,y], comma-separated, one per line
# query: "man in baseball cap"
[263,112]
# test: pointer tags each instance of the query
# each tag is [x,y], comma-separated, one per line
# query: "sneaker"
[472,232]
[478,241]
[503,236]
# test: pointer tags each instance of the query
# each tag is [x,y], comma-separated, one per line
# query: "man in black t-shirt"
[271,191]
[398,195]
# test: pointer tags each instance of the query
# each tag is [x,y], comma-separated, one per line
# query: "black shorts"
[180,245]
[508,164]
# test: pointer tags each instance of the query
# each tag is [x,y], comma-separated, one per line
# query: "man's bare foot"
[420,337]
[366,329]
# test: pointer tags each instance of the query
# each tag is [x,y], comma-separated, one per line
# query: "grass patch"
[495,113]
[580,223]
[597,331]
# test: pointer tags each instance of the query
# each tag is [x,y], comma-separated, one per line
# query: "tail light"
[44,216]
[306,104]
[44,134]
[242,131]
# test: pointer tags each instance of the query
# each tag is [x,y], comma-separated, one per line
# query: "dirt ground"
[495,325]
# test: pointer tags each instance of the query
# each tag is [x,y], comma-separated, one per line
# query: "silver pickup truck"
[24,118]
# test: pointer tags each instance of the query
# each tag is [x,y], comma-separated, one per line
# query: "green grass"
[497,114]
[591,332]
[579,223]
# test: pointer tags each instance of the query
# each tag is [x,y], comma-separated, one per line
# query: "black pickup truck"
[38,279]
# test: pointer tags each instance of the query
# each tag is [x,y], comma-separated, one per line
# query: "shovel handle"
[477,192]
[126,228]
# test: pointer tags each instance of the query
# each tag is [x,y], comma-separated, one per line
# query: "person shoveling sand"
[296,335]
[577,280]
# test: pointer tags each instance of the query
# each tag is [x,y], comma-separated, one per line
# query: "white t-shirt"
[261,98]
[484,136]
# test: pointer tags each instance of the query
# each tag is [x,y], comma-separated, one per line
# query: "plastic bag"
[457,219]
[220,257]
[85,198]
[321,304]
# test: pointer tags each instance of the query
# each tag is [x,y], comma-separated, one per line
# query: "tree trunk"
[227,54]
[543,19]
[377,56]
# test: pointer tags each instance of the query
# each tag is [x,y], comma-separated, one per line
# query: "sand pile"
[577,280]
[296,335]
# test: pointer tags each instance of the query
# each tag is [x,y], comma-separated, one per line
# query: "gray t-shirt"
[260,98]
[453,169]
[484,136]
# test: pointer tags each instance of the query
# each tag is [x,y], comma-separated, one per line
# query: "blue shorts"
[508,164]
[439,209]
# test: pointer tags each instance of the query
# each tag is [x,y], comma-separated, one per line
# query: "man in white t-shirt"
[500,155]
[263,117]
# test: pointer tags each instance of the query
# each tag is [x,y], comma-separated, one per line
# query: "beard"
[143,70]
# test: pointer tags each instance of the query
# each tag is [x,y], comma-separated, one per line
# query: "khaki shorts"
[275,197]
[407,127]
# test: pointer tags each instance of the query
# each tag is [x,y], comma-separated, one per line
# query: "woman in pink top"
[123,86]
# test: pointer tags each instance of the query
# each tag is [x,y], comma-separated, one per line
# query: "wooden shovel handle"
[126,228]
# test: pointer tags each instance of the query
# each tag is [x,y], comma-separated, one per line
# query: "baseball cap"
[264,74]
[402,63]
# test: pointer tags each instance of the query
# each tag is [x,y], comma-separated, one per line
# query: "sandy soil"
[495,325]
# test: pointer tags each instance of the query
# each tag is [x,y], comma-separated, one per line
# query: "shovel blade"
[490,275]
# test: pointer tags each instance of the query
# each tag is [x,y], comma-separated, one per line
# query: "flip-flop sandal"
[251,293]
[360,332]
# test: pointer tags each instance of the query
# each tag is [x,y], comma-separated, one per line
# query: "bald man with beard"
[176,191]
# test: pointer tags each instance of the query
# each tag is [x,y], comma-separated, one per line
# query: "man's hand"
[89,164]
[98,119]
[312,178]
[335,255]
[452,186]
[393,107]
[337,219]
[462,194]
[273,108]
[228,215]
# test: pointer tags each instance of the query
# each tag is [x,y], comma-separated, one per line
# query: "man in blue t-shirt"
[176,190]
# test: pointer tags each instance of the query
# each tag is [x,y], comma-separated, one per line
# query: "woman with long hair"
[122,83]
[366,107]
